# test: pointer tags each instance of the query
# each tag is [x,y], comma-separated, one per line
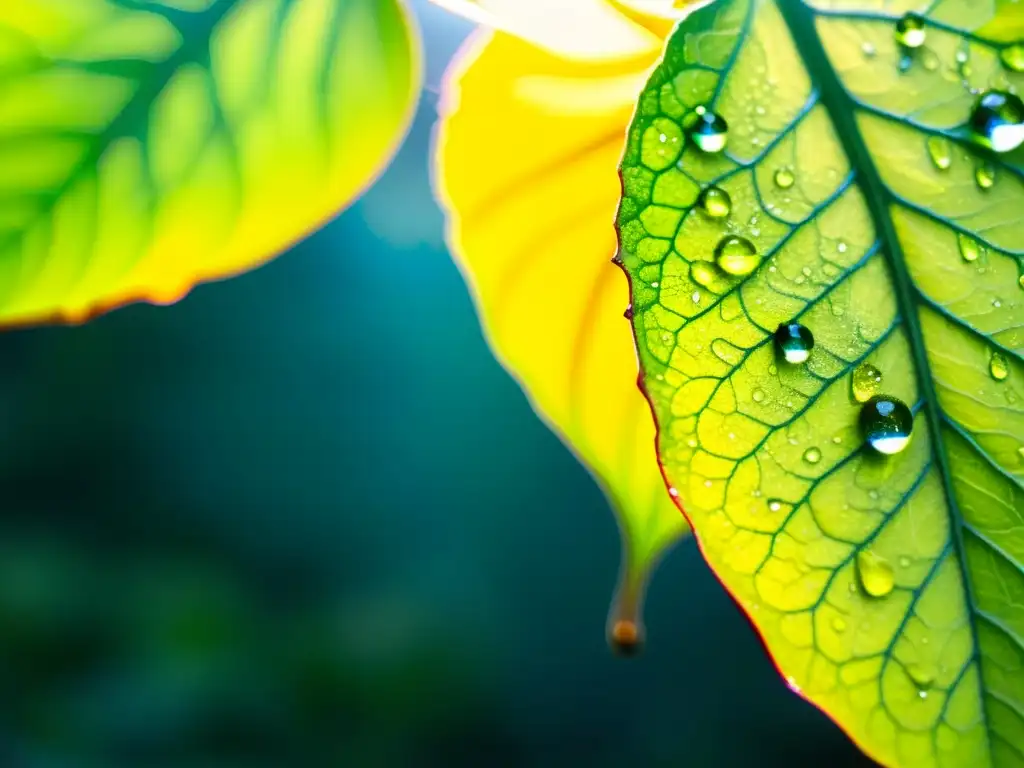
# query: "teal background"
[302,518]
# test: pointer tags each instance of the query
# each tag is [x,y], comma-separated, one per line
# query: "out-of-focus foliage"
[860,194]
[530,134]
[147,146]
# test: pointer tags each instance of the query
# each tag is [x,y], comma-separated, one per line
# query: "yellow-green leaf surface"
[522,128]
[145,145]
[888,589]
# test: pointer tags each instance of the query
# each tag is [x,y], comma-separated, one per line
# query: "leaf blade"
[787,508]
[179,142]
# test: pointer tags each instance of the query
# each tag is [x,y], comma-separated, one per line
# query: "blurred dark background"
[303,518]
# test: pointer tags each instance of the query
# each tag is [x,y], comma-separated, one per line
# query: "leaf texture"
[888,589]
[145,146]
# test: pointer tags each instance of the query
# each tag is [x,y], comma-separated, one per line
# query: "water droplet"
[794,342]
[758,395]
[812,455]
[1012,57]
[628,314]
[702,273]
[707,130]
[784,178]
[736,255]
[865,381]
[625,638]
[923,676]
[715,202]
[841,246]
[904,562]
[838,625]
[774,505]
[985,175]
[969,248]
[887,423]
[929,60]
[868,49]
[998,366]
[874,574]
[696,297]
[997,120]
[654,284]
[1020,281]
[938,151]
[910,31]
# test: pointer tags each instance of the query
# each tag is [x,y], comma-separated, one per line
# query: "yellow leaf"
[526,151]
[146,147]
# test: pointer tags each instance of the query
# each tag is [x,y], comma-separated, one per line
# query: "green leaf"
[888,588]
[145,146]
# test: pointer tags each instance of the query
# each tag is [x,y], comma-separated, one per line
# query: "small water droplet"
[794,342]
[812,455]
[998,366]
[874,574]
[696,297]
[673,492]
[1012,57]
[938,151]
[929,60]
[969,248]
[923,676]
[706,129]
[758,395]
[841,246]
[985,175]
[910,30]
[702,273]
[654,284]
[997,121]
[774,505]
[887,423]
[904,562]
[865,381]
[784,178]
[736,255]
[838,625]
[715,202]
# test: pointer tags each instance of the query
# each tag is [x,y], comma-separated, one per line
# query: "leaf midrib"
[195,37]
[841,108]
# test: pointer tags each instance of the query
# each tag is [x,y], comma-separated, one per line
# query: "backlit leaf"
[145,146]
[521,131]
[888,588]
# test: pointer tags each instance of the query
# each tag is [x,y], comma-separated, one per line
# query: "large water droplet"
[938,151]
[910,31]
[997,120]
[715,202]
[865,381]
[985,175]
[999,366]
[887,423]
[706,129]
[794,342]
[969,248]
[736,255]
[874,574]
[812,455]
[784,178]
[757,395]
[1012,57]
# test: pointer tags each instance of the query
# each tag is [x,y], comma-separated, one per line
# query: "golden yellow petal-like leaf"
[861,492]
[147,146]
[526,150]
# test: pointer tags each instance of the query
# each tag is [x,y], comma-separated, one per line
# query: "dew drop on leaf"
[868,49]
[938,151]
[874,574]
[736,255]
[922,675]
[706,129]
[757,395]
[997,120]
[865,381]
[985,175]
[998,366]
[887,423]
[1012,57]
[715,202]
[969,248]
[794,342]
[910,31]
[784,178]
[930,60]
[702,273]
[838,624]
[774,505]
[904,561]
[812,455]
